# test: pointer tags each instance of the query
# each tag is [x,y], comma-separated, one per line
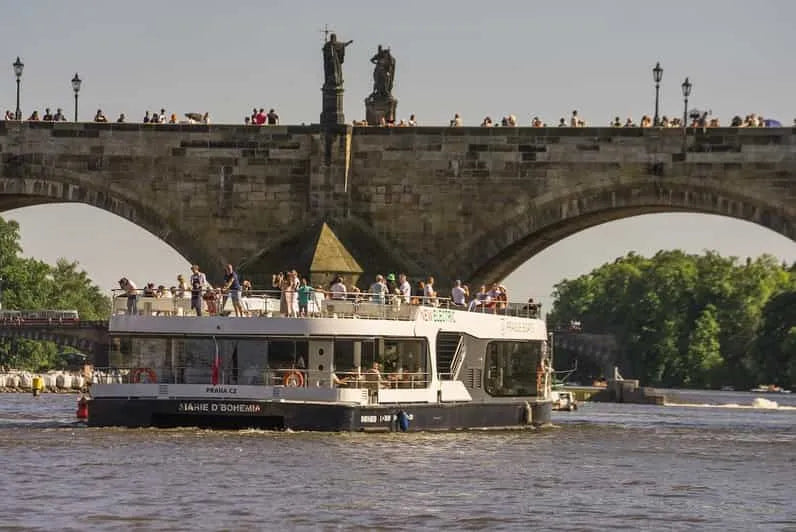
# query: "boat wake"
[759,403]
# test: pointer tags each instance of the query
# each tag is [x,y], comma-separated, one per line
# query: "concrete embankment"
[53,381]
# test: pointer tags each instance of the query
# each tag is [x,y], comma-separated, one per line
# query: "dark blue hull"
[282,415]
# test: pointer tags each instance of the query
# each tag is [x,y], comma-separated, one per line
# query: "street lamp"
[686,86]
[657,74]
[76,81]
[18,66]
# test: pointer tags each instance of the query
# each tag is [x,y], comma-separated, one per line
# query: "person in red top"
[260,117]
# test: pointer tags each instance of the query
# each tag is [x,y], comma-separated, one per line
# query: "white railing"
[287,377]
[321,304]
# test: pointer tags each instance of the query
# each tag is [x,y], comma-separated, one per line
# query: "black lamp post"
[18,66]
[686,86]
[76,81]
[657,74]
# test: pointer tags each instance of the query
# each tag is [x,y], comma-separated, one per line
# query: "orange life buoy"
[293,379]
[151,376]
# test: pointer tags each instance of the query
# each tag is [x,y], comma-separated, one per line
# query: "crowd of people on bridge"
[298,298]
[258,117]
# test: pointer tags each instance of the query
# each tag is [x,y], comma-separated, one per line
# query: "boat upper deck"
[266,313]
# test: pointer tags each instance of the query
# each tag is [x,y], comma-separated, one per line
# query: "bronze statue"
[333,58]
[383,72]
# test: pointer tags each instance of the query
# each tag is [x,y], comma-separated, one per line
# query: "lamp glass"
[657,73]
[686,86]
[76,81]
[18,66]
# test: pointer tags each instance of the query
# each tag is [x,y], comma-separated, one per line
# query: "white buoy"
[63,382]
[25,381]
[49,381]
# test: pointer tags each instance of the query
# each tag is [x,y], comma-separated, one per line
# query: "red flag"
[216,366]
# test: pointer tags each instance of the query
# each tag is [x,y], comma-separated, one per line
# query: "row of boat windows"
[510,368]
[260,360]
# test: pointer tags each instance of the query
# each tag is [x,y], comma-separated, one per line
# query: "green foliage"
[29,284]
[689,320]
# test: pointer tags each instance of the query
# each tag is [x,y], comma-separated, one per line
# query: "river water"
[723,462]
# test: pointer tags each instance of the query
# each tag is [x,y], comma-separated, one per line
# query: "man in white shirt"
[404,288]
[338,289]
[458,295]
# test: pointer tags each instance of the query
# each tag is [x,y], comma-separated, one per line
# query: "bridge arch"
[17,192]
[527,229]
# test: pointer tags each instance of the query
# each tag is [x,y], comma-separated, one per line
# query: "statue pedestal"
[378,107]
[332,108]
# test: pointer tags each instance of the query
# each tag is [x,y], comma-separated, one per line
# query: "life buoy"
[151,376]
[293,379]
[82,408]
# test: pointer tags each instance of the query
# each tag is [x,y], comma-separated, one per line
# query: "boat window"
[395,356]
[511,368]
[404,356]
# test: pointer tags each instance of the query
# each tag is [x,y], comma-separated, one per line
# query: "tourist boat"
[351,366]
[563,400]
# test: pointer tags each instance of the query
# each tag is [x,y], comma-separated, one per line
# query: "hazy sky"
[475,58]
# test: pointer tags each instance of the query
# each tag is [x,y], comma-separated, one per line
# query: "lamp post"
[76,81]
[686,86]
[18,66]
[657,74]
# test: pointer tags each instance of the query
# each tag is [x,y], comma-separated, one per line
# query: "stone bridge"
[472,203]
[89,337]
[601,349]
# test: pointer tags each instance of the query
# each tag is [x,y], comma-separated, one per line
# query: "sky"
[459,56]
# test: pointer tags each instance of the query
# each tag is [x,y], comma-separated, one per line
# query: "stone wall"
[455,202]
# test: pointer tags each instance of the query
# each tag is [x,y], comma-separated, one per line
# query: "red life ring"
[82,408]
[293,379]
[151,376]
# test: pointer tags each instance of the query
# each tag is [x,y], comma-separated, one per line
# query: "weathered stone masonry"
[472,203]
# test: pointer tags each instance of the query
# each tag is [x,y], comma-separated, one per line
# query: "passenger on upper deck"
[378,290]
[198,282]
[481,299]
[182,286]
[338,289]
[132,295]
[149,290]
[429,294]
[304,296]
[404,288]
[232,284]
[458,294]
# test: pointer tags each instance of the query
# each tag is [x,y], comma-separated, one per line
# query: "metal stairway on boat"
[448,345]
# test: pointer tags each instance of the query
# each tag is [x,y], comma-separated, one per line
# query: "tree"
[684,319]
[775,345]
[30,284]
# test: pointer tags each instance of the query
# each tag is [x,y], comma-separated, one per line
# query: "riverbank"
[15,381]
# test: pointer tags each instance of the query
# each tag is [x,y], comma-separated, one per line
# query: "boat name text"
[220,408]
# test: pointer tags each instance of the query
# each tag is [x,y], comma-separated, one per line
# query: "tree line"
[30,284]
[688,320]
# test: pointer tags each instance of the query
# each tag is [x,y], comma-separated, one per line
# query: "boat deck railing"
[288,377]
[269,303]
